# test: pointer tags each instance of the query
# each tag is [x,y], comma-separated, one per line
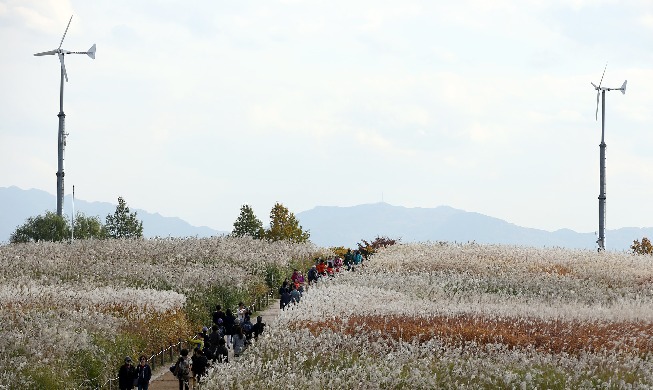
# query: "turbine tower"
[62,117]
[600,91]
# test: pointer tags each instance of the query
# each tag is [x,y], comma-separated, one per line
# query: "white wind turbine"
[602,195]
[62,117]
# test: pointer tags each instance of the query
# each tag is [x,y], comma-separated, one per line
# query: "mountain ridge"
[443,223]
[16,205]
[339,225]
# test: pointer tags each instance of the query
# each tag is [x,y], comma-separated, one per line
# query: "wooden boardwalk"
[162,378]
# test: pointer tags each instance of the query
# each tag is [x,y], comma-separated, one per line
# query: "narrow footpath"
[162,378]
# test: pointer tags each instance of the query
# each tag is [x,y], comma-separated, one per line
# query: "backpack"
[182,369]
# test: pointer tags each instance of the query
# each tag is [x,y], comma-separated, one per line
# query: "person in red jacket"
[321,268]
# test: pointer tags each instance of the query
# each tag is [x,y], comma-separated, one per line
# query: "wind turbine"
[602,197]
[62,117]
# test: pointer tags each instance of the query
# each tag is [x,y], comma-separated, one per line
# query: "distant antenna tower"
[600,91]
[62,117]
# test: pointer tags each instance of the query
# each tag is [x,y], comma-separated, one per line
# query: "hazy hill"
[335,226]
[331,226]
[16,205]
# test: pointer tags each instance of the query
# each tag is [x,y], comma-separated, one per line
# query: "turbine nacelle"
[61,53]
[599,88]
[622,88]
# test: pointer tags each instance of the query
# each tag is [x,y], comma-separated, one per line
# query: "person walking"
[182,370]
[238,340]
[312,275]
[295,295]
[241,312]
[143,374]
[284,295]
[199,364]
[258,327]
[218,314]
[229,322]
[221,353]
[126,375]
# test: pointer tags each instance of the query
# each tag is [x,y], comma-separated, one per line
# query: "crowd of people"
[229,330]
[291,291]
[233,329]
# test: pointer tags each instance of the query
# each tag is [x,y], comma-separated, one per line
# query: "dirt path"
[162,378]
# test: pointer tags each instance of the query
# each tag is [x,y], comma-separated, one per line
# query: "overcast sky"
[193,108]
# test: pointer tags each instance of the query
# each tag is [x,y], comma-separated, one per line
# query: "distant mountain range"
[330,226]
[335,226]
[16,205]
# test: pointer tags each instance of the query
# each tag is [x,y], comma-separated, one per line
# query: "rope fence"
[169,354]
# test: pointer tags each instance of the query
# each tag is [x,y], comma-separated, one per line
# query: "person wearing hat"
[205,336]
[126,375]
[313,275]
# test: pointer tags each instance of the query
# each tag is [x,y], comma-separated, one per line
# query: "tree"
[247,224]
[284,226]
[642,248]
[88,227]
[48,227]
[367,249]
[123,223]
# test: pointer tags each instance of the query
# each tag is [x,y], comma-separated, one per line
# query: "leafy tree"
[48,227]
[339,251]
[88,227]
[642,248]
[367,249]
[284,226]
[247,224]
[123,223]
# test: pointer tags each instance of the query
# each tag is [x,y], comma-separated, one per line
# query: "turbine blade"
[63,67]
[65,32]
[46,53]
[597,105]
[623,87]
[601,82]
[594,85]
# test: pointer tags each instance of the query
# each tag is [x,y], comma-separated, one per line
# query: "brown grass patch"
[553,336]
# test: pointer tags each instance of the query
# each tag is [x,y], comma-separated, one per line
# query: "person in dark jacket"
[216,334]
[312,275]
[199,362]
[284,295]
[221,353]
[218,314]
[229,322]
[126,375]
[143,374]
[258,327]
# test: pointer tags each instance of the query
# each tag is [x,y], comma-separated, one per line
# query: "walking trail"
[162,378]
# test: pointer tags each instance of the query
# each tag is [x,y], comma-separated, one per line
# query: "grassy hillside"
[70,313]
[424,316]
